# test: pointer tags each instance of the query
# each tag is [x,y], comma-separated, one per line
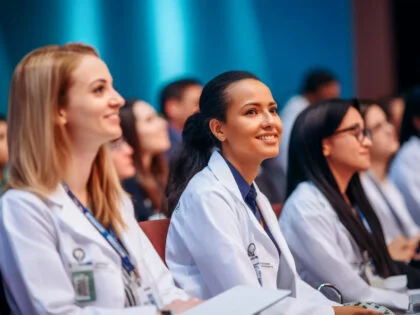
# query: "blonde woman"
[69,243]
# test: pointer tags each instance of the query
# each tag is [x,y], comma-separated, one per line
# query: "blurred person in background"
[179,100]
[69,242]
[147,133]
[4,152]
[405,168]
[398,226]
[122,156]
[318,85]
[394,107]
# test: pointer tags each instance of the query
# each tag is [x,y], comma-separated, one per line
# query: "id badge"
[83,281]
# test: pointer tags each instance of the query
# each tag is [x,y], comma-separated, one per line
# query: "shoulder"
[306,199]
[17,199]
[205,193]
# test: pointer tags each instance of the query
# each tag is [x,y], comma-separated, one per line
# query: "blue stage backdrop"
[148,42]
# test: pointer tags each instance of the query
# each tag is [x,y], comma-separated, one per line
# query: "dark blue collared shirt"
[249,194]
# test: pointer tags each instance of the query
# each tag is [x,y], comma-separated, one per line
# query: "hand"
[402,249]
[179,306]
[353,310]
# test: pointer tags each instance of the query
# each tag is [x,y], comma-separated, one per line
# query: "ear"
[216,127]
[326,147]
[171,108]
[62,116]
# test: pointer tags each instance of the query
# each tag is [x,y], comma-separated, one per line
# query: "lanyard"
[109,236]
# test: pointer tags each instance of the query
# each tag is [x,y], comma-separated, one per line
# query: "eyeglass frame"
[361,133]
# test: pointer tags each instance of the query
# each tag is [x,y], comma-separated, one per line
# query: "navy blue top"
[249,194]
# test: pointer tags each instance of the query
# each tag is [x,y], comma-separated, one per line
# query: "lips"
[268,138]
[114,117]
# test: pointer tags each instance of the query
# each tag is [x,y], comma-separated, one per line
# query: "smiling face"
[252,129]
[152,130]
[384,137]
[348,152]
[91,113]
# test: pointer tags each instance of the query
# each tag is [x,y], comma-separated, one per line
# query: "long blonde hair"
[38,144]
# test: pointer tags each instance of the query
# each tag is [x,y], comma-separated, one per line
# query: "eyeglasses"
[358,132]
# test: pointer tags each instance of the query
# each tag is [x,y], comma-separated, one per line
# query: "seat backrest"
[277,207]
[156,231]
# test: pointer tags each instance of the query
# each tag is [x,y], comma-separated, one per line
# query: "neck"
[379,168]
[146,163]
[310,97]
[247,169]
[177,126]
[78,171]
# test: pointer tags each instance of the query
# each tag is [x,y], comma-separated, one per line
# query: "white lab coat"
[37,240]
[325,251]
[404,172]
[288,115]
[211,229]
[389,223]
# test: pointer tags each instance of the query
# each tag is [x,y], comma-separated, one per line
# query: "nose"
[367,143]
[116,99]
[267,119]
[128,149]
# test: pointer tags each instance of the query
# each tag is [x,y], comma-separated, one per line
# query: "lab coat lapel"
[73,218]
[273,225]
[221,170]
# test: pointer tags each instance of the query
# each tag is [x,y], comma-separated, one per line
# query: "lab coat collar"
[221,170]
[71,216]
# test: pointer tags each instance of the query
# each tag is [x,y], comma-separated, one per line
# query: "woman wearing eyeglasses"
[400,231]
[327,221]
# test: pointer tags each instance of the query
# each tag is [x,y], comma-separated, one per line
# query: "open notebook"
[240,300]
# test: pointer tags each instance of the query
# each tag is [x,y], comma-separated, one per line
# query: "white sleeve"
[406,178]
[33,273]
[311,238]
[209,226]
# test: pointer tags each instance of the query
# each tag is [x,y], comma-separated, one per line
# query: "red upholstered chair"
[156,231]
[277,209]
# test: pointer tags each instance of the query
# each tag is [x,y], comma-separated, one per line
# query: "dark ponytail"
[197,139]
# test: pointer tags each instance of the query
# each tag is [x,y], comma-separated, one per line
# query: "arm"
[32,268]
[311,236]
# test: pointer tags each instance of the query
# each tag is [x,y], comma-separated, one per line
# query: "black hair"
[197,139]
[3,118]
[175,90]
[412,110]
[317,78]
[307,163]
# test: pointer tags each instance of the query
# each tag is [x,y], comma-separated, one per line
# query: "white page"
[240,300]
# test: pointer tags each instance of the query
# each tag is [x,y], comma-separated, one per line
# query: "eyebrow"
[257,104]
[98,80]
